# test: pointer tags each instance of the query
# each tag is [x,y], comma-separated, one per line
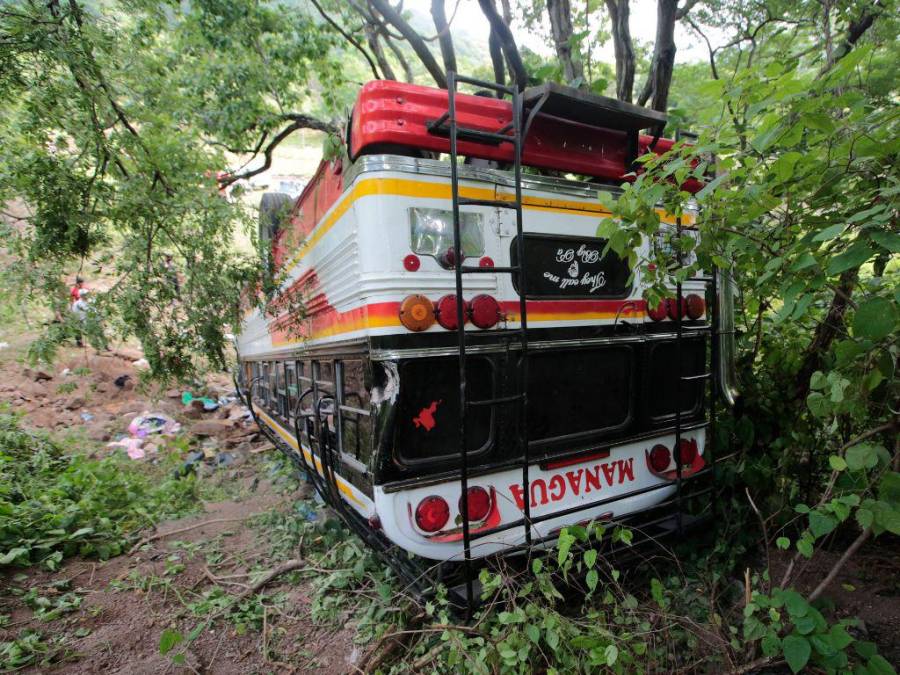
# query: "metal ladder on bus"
[710,376]
[511,133]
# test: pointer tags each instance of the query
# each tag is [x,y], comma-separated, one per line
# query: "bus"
[454,361]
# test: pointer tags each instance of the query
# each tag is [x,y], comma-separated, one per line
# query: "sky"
[643,28]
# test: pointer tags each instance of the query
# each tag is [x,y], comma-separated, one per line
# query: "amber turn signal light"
[417,313]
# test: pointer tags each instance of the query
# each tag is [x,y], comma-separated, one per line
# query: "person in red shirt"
[76,290]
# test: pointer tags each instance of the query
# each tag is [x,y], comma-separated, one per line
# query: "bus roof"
[574,132]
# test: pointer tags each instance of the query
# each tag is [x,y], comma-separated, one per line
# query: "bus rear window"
[663,374]
[427,426]
[577,395]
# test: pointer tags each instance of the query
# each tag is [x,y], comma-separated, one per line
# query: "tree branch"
[349,38]
[624,48]
[298,121]
[443,34]
[375,46]
[560,13]
[415,40]
[507,42]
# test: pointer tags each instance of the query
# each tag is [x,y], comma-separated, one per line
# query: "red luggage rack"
[560,132]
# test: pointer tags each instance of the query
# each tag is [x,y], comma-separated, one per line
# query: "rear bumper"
[613,487]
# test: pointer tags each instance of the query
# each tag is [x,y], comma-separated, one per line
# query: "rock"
[33,389]
[173,393]
[211,427]
[74,403]
[36,375]
[99,434]
[192,413]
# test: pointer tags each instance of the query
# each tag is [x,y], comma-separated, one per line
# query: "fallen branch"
[283,568]
[854,547]
[161,535]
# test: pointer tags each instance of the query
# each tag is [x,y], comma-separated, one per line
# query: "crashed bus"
[470,373]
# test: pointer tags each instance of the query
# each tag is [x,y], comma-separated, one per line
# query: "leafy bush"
[55,504]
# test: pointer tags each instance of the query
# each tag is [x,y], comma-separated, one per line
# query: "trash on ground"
[208,404]
[142,363]
[86,417]
[4,345]
[152,423]
[121,380]
[131,445]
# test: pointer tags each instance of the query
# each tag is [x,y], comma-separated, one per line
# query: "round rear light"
[658,313]
[485,311]
[411,263]
[486,261]
[448,259]
[660,458]
[417,313]
[479,504]
[686,452]
[672,308]
[694,306]
[446,312]
[432,514]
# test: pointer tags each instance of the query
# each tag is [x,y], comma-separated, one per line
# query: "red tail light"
[673,310]
[432,514]
[486,261]
[658,313]
[694,306]
[411,263]
[485,311]
[686,452]
[446,312]
[479,504]
[660,458]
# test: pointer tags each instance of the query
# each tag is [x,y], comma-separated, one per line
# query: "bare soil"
[130,600]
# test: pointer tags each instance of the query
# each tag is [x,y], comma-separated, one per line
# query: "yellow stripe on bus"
[432,190]
[291,441]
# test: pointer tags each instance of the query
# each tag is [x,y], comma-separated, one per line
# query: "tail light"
[446,312]
[673,309]
[486,261]
[694,306]
[686,452]
[659,312]
[411,263]
[660,458]
[485,311]
[417,313]
[432,514]
[479,503]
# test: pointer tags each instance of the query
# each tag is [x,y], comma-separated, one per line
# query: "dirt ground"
[128,601]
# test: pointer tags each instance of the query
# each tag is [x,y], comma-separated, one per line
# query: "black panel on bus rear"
[427,416]
[579,395]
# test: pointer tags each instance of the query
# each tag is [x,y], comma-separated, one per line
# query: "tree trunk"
[443,33]
[619,12]
[401,57]
[375,46]
[656,89]
[415,40]
[507,42]
[497,60]
[826,331]
[560,13]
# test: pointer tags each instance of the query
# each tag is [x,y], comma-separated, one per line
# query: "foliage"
[55,504]
[115,124]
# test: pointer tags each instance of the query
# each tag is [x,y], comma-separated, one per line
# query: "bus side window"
[281,390]
[304,380]
[356,419]
[264,385]
[290,381]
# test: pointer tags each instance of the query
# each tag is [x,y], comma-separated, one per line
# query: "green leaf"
[533,633]
[878,665]
[837,463]
[862,456]
[840,638]
[888,240]
[864,517]
[818,380]
[875,319]
[821,524]
[854,256]
[795,603]
[592,578]
[552,638]
[168,640]
[612,654]
[829,233]
[783,543]
[796,652]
